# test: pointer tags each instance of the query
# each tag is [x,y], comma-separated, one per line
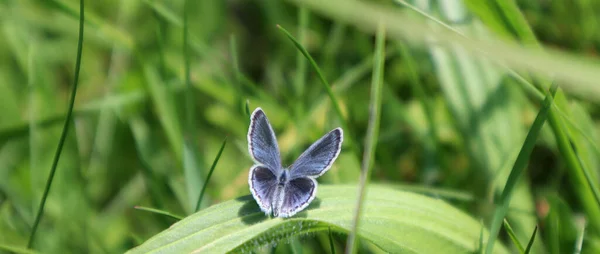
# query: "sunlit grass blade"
[513,237]
[238,225]
[157,211]
[516,20]
[580,223]
[326,85]
[531,240]
[212,168]
[16,249]
[331,245]
[65,131]
[503,202]
[372,135]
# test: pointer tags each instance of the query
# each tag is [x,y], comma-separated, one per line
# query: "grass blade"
[580,223]
[513,237]
[326,85]
[518,168]
[331,246]
[528,249]
[372,134]
[191,162]
[15,249]
[299,82]
[65,131]
[590,180]
[161,212]
[238,225]
[189,106]
[212,168]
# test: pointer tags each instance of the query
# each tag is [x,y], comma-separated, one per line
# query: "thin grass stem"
[157,211]
[212,168]
[65,131]
[503,202]
[372,135]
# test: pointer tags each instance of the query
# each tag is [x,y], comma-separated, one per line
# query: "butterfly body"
[284,192]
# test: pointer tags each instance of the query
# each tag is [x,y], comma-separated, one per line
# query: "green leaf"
[395,221]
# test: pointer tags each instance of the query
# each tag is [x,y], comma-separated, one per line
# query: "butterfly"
[286,191]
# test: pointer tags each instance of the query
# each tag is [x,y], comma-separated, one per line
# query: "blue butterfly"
[286,191]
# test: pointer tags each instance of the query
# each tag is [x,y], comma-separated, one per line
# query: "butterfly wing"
[319,157]
[262,143]
[263,184]
[298,193]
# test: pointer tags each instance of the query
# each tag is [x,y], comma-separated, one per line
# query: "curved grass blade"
[395,221]
[513,237]
[503,202]
[528,249]
[212,168]
[372,135]
[15,249]
[331,246]
[590,180]
[580,235]
[326,85]
[65,131]
[157,211]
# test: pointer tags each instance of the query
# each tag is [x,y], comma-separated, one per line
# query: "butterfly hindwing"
[319,157]
[298,193]
[263,185]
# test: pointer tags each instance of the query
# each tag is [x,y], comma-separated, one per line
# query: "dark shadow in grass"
[250,213]
[315,204]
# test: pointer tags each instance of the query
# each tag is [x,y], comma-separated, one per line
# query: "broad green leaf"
[395,221]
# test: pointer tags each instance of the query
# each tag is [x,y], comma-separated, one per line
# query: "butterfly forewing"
[298,193]
[263,184]
[262,143]
[317,159]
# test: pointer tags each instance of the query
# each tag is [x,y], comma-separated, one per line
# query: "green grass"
[451,140]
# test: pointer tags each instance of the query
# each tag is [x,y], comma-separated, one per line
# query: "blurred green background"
[450,120]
